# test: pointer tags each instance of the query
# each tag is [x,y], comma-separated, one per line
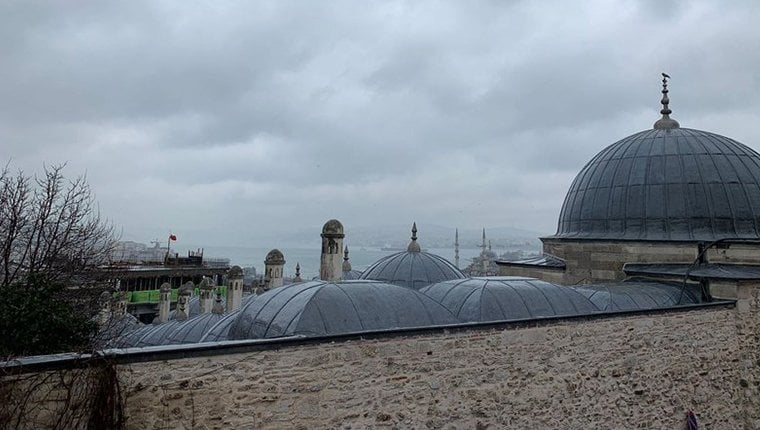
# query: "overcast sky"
[229,122]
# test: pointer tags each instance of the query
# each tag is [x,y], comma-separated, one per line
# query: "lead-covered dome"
[318,308]
[666,184]
[508,298]
[412,268]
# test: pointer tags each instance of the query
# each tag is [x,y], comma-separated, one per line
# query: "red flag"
[172,237]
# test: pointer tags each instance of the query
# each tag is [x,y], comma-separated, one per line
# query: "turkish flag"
[172,237]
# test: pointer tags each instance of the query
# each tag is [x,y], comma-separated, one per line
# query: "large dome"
[672,184]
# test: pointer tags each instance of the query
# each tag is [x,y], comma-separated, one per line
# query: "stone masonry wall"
[627,372]
[600,261]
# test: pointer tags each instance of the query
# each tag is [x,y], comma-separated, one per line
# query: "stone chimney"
[234,288]
[331,261]
[183,302]
[273,266]
[206,298]
[164,302]
[218,308]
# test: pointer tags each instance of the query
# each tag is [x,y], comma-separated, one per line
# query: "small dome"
[636,294]
[221,329]
[507,298]
[275,257]
[333,227]
[412,269]
[192,330]
[157,334]
[351,275]
[318,308]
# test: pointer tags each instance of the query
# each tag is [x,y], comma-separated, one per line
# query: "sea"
[308,258]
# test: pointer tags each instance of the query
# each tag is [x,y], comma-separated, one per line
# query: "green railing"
[152,296]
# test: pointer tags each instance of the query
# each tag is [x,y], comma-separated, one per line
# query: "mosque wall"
[640,371]
[600,261]
[548,275]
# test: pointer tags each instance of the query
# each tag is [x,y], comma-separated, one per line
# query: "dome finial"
[413,245]
[665,123]
[345,253]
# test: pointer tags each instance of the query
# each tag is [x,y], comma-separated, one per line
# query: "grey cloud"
[273,113]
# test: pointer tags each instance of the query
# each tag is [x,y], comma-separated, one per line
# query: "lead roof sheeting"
[703,271]
[220,330]
[640,295]
[193,329]
[507,298]
[677,184]
[322,308]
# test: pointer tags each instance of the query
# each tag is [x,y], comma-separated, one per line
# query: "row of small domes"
[318,308]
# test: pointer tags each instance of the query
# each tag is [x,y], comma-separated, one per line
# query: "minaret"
[666,122]
[164,302]
[413,245]
[346,263]
[298,273]
[330,263]
[456,248]
[273,269]
[483,256]
[234,288]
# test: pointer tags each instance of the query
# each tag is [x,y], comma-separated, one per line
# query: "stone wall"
[624,372]
[627,371]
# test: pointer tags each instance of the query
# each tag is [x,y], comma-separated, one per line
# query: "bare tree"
[52,242]
[50,225]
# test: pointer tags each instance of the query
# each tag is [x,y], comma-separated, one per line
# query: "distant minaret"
[346,264]
[234,288]
[273,269]
[483,259]
[456,248]
[298,273]
[330,265]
